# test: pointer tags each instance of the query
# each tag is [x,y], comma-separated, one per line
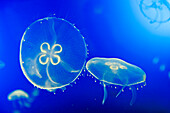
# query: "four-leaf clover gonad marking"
[50,54]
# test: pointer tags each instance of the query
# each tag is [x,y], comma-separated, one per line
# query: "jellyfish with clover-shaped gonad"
[52,53]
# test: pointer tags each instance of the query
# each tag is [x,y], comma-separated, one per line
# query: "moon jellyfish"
[52,53]
[20,99]
[114,71]
[157,11]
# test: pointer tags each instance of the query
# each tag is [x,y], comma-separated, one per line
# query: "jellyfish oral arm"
[105,93]
[49,74]
[133,95]
[120,91]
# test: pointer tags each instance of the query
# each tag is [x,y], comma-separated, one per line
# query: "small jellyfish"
[52,53]
[19,98]
[114,71]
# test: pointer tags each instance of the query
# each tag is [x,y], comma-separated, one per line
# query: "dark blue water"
[111,29]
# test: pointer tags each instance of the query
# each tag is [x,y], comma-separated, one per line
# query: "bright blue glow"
[112,28]
[21,99]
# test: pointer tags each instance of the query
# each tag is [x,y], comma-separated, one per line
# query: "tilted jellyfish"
[52,53]
[117,72]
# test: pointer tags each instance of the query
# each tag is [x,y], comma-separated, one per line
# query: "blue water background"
[111,29]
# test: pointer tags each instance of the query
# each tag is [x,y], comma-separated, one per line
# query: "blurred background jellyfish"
[162,67]
[157,11]
[33,95]
[117,72]
[155,60]
[154,15]
[52,53]
[19,99]
[35,92]
[2,64]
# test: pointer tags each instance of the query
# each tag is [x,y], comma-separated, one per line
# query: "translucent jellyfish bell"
[52,53]
[117,72]
[17,94]
[19,98]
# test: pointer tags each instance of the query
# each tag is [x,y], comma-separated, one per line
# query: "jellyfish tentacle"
[120,91]
[105,93]
[133,95]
